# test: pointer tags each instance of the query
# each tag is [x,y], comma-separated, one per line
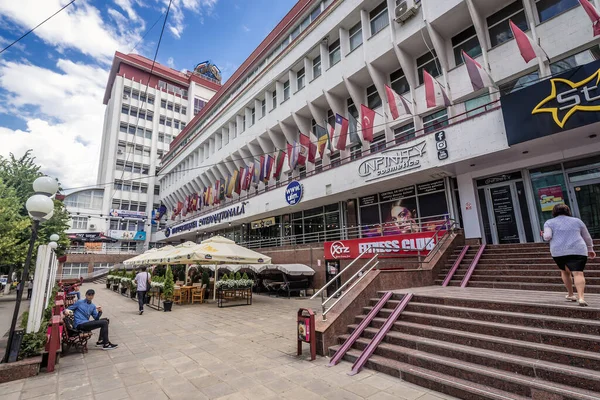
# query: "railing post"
[323,305]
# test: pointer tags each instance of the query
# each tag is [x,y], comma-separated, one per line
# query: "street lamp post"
[40,208]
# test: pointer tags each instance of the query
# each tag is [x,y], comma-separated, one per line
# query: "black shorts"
[574,263]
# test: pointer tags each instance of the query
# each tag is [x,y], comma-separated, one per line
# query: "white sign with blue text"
[293,193]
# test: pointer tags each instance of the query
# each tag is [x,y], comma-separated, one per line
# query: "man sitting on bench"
[82,311]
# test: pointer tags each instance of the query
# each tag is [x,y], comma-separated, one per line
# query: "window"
[131,129]
[140,131]
[161,120]
[149,116]
[286,90]
[316,67]
[143,97]
[519,83]
[75,269]
[399,82]
[176,123]
[355,36]
[585,57]
[315,13]
[198,105]
[476,106]
[123,127]
[170,106]
[379,18]
[102,266]
[467,41]
[335,54]
[263,107]
[125,109]
[373,99]
[150,99]
[378,143]
[427,62]
[126,92]
[156,191]
[498,26]
[253,116]
[300,78]
[148,134]
[169,122]
[135,95]
[177,108]
[404,133]
[184,110]
[80,222]
[161,137]
[435,121]
[133,112]
[547,9]
[163,104]
[183,125]
[162,84]
[142,114]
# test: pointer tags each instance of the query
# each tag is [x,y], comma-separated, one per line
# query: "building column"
[468,198]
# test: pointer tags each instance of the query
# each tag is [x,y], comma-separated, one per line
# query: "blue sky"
[52,82]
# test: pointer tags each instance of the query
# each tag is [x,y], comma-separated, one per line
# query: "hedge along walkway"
[202,352]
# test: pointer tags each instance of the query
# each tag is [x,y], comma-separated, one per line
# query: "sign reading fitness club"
[385,246]
[215,218]
[564,102]
[391,162]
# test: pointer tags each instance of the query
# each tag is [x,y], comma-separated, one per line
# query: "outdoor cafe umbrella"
[134,260]
[148,256]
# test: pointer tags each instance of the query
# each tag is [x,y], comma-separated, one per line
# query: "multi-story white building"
[329,57]
[147,106]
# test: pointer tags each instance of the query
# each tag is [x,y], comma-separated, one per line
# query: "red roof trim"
[277,33]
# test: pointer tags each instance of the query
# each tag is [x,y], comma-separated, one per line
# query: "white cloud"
[171,62]
[79,26]
[245,28]
[200,8]
[65,128]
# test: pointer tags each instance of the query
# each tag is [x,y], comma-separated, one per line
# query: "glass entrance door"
[504,214]
[587,197]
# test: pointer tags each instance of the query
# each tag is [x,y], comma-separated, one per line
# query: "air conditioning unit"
[406,9]
[92,226]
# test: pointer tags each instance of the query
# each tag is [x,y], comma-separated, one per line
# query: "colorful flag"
[162,210]
[434,94]
[289,151]
[312,152]
[341,131]
[200,201]
[367,116]
[238,186]
[593,14]
[353,131]
[256,177]
[249,176]
[222,189]
[268,168]
[331,132]
[186,203]
[261,176]
[479,77]
[528,48]
[279,164]
[322,139]
[230,185]
[209,196]
[205,196]
[397,104]
[217,193]
[243,177]
[303,149]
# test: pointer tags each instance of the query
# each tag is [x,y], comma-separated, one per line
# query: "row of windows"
[126,205]
[126,225]
[134,112]
[89,199]
[173,107]
[171,122]
[164,138]
[79,222]
[128,186]
[172,88]
[132,167]
[130,148]
[136,95]
[135,130]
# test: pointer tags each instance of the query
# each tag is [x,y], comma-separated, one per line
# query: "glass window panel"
[547,9]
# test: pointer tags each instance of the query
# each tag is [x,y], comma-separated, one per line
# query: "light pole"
[40,208]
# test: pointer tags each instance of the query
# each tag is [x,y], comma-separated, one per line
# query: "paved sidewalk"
[203,352]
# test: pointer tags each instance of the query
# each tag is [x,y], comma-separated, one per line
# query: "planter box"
[20,369]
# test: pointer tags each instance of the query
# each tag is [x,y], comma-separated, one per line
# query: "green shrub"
[245,276]
[32,344]
[225,277]
[169,286]
[238,276]
[205,278]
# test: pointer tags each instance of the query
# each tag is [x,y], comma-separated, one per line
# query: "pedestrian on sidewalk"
[142,280]
[570,246]
[29,288]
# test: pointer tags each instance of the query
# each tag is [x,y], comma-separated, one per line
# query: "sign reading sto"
[564,102]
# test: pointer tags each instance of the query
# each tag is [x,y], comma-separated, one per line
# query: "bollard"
[53,342]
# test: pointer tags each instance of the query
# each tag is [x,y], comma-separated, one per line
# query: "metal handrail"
[352,277]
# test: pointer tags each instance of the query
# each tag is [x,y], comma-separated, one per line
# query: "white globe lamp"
[53,245]
[39,206]
[54,237]
[45,185]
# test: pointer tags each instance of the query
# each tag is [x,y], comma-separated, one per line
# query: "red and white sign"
[385,246]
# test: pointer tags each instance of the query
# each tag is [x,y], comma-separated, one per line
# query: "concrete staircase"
[527,266]
[476,343]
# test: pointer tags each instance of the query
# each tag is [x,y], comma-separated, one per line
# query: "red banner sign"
[385,246]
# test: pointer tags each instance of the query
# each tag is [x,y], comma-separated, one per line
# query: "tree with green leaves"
[12,224]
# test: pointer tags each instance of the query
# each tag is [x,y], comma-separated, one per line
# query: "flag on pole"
[217,193]
[186,203]
[397,104]
[331,133]
[303,149]
[256,177]
[249,176]
[528,48]
[243,176]
[204,198]
[279,164]
[312,152]
[322,140]
[434,94]
[341,131]
[268,168]
[295,153]
[200,201]
[289,151]
[479,77]
[222,190]
[593,14]
[209,196]
[353,130]
[367,116]
[230,186]
[261,175]
[237,186]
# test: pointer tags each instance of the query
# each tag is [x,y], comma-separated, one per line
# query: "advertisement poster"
[304,330]
[93,246]
[550,196]
[385,246]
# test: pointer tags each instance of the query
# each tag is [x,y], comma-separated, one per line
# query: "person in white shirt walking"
[142,280]
[570,246]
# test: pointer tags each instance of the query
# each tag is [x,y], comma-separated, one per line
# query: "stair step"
[503,380]
[525,279]
[530,334]
[439,382]
[544,287]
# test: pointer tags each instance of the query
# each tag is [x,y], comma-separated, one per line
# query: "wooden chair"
[177,298]
[198,294]
[179,283]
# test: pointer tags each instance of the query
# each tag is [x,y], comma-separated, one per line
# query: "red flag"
[269,161]
[238,178]
[593,14]
[261,175]
[341,131]
[398,106]
[312,152]
[304,147]
[434,94]
[289,151]
[528,48]
[249,176]
[279,164]
[479,77]
[367,117]
[217,199]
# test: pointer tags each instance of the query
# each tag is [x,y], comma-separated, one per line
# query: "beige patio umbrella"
[177,252]
[150,256]
[134,260]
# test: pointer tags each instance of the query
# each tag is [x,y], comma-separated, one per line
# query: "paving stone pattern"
[203,352]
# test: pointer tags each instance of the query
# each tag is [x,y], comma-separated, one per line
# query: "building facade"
[330,57]
[147,106]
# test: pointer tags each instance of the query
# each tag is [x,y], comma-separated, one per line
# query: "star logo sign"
[566,98]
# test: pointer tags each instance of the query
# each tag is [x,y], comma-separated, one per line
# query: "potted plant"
[115,282]
[124,285]
[168,289]
[132,285]
[108,280]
